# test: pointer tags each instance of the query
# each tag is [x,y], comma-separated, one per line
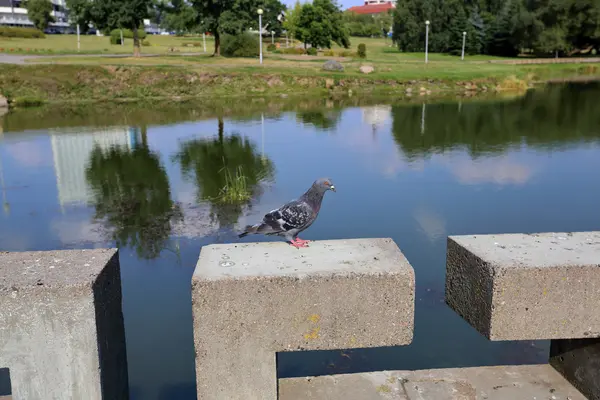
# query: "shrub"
[329,53]
[311,51]
[243,45]
[27,33]
[128,34]
[347,53]
[271,47]
[146,43]
[362,50]
[294,50]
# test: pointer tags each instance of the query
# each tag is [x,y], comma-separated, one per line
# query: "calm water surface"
[147,179]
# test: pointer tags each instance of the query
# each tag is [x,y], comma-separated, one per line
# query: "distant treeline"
[499,27]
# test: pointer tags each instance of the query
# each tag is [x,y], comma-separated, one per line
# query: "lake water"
[148,178]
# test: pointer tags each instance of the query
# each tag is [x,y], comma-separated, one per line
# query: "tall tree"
[119,14]
[290,24]
[80,13]
[321,23]
[39,12]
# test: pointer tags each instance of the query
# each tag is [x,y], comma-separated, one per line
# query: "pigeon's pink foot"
[299,243]
[302,241]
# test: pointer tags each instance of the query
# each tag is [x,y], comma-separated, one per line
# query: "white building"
[372,2]
[13,13]
[71,152]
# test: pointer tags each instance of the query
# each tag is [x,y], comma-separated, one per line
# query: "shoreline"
[66,84]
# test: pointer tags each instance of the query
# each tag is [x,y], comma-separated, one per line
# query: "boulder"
[366,69]
[332,65]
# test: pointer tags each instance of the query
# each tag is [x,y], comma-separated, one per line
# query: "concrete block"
[578,360]
[526,286]
[61,325]
[253,300]
[491,383]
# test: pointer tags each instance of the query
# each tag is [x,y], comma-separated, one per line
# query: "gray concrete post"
[526,286]
[250,301]
[578,360]
[61,325]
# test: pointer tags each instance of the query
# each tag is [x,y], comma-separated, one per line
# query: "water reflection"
[407,173]
[222,165]
[131,194]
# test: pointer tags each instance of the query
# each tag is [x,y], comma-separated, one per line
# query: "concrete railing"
[528,287]
[61,326]
[251,301]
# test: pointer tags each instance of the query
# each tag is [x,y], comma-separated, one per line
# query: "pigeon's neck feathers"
[314,197]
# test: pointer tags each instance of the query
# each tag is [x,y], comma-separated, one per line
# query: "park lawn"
[92,44]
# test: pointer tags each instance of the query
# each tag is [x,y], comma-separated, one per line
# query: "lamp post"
[272,37]
[462,57]
[203,35]
[426,41]
[260,12]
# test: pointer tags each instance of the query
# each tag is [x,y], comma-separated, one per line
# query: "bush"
[329,53]
[347,53]
[271,47]
[243,45]
[294,50]
[311,51]
[362,50]
[127,33]
[27,33]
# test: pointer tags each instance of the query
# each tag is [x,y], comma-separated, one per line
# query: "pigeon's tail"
[249,229]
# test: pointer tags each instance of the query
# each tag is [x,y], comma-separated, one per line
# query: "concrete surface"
[252,300]
[578,360]
[61,326]
[529,382]
[526,286]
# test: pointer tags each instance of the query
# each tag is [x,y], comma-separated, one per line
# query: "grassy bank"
[52,83]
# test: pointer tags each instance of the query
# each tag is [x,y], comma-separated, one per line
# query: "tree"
[176,15]
[80,13]
[39,12]
[236,16]
[119,14]
[320,23]
[290,24]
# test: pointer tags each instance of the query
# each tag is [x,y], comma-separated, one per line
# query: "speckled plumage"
[293,217]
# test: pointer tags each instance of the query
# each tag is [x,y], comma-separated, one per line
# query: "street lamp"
[462,57]
[426,41]
[260,12]
[203,35]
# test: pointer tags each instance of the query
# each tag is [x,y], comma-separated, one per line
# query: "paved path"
[22,58]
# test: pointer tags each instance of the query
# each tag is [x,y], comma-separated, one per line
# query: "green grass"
[97,78]
[92,44]
[236,189]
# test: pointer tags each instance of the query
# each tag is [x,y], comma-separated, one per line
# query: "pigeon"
[294,217]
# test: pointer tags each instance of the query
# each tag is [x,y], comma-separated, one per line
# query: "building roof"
[372,8]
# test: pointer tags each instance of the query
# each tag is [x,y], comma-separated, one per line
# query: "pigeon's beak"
[332,188]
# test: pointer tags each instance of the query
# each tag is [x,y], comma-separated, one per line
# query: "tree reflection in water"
[132,196]
[213,162]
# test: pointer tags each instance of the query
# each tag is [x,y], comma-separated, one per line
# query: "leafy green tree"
[212,162]
[321,23]
[132,196]
[80,13]
[290,24]
[39,12]
[176,15]
[119,14]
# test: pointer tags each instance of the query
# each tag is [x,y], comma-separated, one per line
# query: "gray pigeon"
[294,217]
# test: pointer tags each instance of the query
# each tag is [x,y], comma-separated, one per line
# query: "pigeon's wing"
[294,215]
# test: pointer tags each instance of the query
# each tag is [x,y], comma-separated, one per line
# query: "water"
[410,171]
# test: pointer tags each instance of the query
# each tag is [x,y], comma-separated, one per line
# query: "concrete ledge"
[61,326]
[253,300]
[578,360]
[492,383]
[526,287]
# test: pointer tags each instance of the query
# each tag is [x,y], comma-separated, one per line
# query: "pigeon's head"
[323,185]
